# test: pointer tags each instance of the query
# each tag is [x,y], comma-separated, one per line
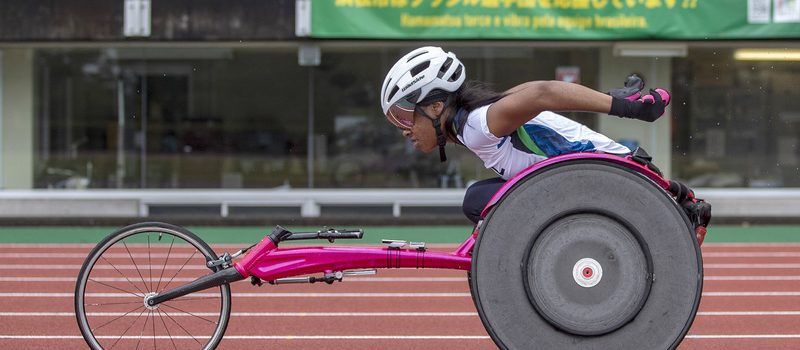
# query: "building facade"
[201,94]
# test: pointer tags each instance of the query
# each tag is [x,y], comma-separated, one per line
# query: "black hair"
[472,95]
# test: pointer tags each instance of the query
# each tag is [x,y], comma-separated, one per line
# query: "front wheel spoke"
[119,289]
[184,329]
[117,318]
[165,263]
[149,261]
[154,330]
[138,341]
[127,329]
[166,329]
[179,271]
[119,303]
[123,276]
[187,312]
[134,264]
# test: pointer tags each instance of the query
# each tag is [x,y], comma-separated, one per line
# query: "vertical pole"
[310,157]
[120,174]
[143,150]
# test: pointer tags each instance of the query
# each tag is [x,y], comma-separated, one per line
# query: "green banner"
[555,19]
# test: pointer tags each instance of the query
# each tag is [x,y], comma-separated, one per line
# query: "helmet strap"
[441,139]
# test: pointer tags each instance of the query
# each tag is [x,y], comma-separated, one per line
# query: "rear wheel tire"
[138,261]
[586,254]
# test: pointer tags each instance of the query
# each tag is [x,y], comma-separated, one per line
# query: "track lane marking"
[355,314]
[255,314]
[377,279]
[199,267]
[186,279]
[357,295]
[376,337]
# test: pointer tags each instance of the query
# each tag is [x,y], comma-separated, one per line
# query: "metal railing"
[729,202]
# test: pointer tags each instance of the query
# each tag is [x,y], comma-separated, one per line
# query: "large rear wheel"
[139,261]
[586,255]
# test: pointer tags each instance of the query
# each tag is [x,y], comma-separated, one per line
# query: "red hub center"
[587,272]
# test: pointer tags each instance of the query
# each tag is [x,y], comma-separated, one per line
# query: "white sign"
[787,11]
[758,11]
[137,18]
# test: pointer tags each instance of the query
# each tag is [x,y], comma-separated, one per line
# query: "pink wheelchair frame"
[268,262]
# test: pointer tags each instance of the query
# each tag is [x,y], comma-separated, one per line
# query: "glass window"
[739,121]
[220,117]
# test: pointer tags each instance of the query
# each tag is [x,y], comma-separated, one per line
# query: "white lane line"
[750,244]
[353,314]
[252,295]
[253,314]
[742,336]
[373,279]
[356,295]
[163,255]
[186,279]
[83,256]
[751,294]
[748,313]
[269,337]
[216,247]
[751,266]
[376,337]
[751,255]
[101,267]
[751,278]
[199,267]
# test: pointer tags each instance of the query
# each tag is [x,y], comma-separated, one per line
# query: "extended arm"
[527,100]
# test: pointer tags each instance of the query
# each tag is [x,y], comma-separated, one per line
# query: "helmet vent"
[457,74]
[417,55]
[419,68]
[391,94]
[445,67]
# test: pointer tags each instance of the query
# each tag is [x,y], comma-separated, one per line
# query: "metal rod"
[310,155]
[208,281]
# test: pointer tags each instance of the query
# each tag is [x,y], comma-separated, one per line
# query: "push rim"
[131,265]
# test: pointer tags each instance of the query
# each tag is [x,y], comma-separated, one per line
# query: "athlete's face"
[422,133]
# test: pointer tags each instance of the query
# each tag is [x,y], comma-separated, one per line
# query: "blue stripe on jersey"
[551,142]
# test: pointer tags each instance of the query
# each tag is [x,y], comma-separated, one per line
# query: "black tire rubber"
[108,241]
[667,286]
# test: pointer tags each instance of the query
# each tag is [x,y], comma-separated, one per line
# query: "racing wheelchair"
[580,251]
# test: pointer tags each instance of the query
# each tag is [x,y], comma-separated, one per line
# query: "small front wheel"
[135,263]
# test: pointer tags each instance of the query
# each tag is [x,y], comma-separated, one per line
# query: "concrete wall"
[653,137]
[16,119]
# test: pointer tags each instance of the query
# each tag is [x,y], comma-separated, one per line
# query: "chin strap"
[441,139]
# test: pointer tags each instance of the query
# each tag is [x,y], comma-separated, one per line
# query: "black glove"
[633,84]
[648,107]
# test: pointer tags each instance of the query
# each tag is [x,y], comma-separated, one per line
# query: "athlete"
[425,95]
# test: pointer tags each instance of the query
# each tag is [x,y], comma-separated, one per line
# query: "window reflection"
[740,121]
[238,118]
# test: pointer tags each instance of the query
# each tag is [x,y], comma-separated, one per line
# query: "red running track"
[751,301]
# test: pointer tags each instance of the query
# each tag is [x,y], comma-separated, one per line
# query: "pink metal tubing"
[623,161]
[271,263]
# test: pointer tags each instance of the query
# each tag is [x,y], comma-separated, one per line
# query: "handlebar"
[280,234]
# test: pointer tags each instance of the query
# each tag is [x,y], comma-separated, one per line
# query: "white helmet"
[413,77]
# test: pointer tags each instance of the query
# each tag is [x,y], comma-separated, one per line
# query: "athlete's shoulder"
[476,132]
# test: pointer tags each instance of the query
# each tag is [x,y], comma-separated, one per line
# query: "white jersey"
[546,135]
